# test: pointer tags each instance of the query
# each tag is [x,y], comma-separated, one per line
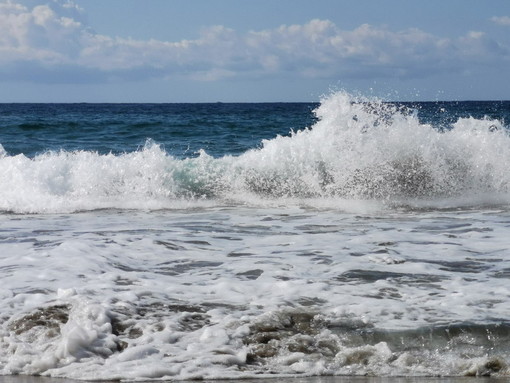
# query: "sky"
[253,50]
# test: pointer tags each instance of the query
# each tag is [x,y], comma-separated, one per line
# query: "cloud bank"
[51,43]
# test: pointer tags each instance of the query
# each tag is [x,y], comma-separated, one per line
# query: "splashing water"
[376,150]
[357,150]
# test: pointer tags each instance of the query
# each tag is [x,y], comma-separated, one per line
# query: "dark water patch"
[169,245]
[173,268]
[228,238]
[504,273]
[428,243]
[35,290]
[196,242]
[468,337]
[473,229]
[452,230]
[49,319]
[47,231]
[318,229]
[250,274]
[317,337]
[486,303]
[466,266]
[309,301]
[193,321]
[389,292]
[126,268]
[292,331]
[37,243]
[381,251]
[370,276]
[385,293]
[386,244]
[160,309]
[236,254]
[308,253]
[124,329]
[122,281]
[255,229]
[322,260]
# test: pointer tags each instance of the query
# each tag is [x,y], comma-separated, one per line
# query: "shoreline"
[310,379]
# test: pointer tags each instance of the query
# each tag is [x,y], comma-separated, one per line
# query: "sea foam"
[357,150]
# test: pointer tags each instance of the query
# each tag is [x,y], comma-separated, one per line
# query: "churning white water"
[368,244]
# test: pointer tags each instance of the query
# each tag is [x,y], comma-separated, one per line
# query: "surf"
[358,149]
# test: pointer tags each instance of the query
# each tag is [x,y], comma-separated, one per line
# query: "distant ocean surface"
[212,241]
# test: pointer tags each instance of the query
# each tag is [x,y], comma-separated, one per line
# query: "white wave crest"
[358,150]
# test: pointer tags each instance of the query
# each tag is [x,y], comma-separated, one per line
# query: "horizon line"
[226,102]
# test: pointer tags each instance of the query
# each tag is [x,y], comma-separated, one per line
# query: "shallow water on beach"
[256,291]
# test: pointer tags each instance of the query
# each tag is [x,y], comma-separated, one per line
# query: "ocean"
[349,237]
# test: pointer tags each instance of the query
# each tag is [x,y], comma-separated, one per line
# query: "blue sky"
[256,50]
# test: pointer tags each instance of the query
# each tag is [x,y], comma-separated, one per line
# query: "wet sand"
[320,379]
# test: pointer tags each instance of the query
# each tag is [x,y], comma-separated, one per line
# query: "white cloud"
[37,34]
[478,47]
[54,36]
[501,20]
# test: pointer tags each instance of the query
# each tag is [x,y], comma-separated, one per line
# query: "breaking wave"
[357,150]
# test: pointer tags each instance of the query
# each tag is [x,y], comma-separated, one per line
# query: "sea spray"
[357,150]
[370,149]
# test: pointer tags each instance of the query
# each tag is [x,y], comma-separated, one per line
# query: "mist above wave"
[357,150]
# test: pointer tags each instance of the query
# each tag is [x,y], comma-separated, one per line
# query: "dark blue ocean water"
[183,129]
